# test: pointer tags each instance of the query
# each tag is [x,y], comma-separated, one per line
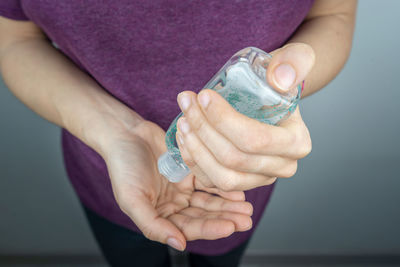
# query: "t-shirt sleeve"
[12,9]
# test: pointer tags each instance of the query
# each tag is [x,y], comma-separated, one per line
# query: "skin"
[227,150]
[206,205]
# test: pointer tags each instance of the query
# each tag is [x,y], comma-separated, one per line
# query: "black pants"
[123,247]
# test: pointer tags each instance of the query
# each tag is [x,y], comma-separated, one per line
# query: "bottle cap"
[173,171]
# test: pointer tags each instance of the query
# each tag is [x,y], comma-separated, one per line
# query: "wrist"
[103,133]
[101,122]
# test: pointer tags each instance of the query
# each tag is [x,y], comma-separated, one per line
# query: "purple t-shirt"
[144,53]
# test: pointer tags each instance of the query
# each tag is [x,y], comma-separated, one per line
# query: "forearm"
[328,29]
[52,86]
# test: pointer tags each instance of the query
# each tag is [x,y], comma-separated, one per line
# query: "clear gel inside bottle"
[242,82]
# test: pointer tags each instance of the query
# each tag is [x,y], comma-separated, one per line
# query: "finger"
[209,202]
[233,195]
[200,228]
[198,173]
[223,178]
[222,148]
[184,153]
[154,227]
[290,65]
[303,144]
[242,222]
[225,152]
[249,135]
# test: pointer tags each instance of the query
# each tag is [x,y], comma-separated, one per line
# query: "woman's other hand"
[230,151]
[170,213]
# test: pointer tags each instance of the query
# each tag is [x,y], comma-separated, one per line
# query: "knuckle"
[188,160]
[208,201]
[270,181]
[226,184]
[232,159]
[185,224]
[207,182]
[304,143]
[260,142]
[259,164]
[203,178]
[191,157]
[289,171]
[216,119]
[200,124]
[306,148]
[148,233]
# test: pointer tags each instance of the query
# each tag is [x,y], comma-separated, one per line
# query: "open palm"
[167,212]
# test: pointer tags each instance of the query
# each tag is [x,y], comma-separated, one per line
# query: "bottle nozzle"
[173,171]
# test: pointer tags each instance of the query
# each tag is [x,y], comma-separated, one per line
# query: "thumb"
[153,226]
[290,65]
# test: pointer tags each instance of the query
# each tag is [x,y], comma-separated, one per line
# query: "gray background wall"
[344,198]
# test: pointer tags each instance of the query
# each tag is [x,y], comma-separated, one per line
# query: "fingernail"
[172,242]
[184,101]
[204,99]
[180,138]
[284,76]
[184,125]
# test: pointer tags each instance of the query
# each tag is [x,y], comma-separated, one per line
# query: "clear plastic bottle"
[242,82]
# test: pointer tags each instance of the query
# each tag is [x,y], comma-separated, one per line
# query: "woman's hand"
[168,212]
[225,149]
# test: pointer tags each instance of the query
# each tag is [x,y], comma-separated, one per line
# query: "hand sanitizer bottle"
[242,82]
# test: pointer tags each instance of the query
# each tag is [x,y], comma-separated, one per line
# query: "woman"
[108,74]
